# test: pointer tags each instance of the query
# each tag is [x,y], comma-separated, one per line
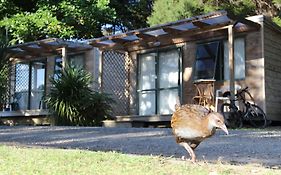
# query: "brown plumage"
[192,124]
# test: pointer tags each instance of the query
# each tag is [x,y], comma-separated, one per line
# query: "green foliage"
[40,19]
[277,2]
[86,16]
[277,20]
[27,26]
[7,8]
[131,15]
[168,11]
[74,102]
[4,68]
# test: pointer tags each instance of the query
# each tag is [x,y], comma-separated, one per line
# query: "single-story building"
[32,64]
[147,70]
[166,61]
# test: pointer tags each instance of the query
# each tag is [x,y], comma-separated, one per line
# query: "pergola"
[219,23]
[46,47]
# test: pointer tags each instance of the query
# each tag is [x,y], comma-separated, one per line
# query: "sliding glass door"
[158,82]
[30,85]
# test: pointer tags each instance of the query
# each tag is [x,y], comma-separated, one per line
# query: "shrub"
[73,101]
[4,72]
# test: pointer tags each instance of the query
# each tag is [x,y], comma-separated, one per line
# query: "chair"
[219,95]
[205,92]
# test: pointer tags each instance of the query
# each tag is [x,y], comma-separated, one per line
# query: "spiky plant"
[74,102]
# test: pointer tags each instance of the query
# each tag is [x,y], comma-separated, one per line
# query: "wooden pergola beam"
[32,51]
[119,40]
[47,47]
[200,24]
[98,44]
[172,30]
[249,23]
[145,36]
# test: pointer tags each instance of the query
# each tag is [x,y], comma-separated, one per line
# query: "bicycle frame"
[249,112]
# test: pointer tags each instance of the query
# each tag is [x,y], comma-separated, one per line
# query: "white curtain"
[147,73]
[239,59]
[169,69]
[147,103]
[168,100]
[168,78]
[166,90]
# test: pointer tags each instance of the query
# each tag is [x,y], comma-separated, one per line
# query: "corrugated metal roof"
[214,20]
[46,47]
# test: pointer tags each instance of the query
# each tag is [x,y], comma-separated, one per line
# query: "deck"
[26,117]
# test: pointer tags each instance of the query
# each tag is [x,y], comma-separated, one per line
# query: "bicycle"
[234,117]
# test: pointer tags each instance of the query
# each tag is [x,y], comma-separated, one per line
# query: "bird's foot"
[192,160]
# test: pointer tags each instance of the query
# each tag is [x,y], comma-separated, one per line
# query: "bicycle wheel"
[232,117]
[256,116]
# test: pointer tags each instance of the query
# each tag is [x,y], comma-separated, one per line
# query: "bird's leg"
[189,150]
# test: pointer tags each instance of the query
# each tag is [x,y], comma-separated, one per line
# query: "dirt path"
[240,146]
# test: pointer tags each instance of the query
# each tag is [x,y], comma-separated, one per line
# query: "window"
[77,60]
[206,60]
[212,60]
[239,59]
[58,67]
[30,85]
[158,82]
[73,60]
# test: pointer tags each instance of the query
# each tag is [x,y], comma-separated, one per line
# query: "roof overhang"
[194,28]
[45,47]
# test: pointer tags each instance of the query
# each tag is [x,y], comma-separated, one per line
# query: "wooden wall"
[263,71]
[272,49]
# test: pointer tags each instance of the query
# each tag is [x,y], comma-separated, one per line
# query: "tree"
[38,19]
[85,16]
[4,68]
[28,26]
[130,14]
[82,19]
[167,11]
[277,18]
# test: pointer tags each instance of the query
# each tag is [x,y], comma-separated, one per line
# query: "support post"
[231,60]
[64,57]
[101,71]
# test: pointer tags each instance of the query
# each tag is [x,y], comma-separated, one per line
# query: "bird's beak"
[223,127]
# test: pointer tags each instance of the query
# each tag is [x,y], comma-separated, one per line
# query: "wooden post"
[231,59]
[64,57]
[101,55]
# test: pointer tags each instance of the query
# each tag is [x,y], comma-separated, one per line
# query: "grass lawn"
[15,160]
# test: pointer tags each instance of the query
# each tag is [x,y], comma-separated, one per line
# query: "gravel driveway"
[240,146]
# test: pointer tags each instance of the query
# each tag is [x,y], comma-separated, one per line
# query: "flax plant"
[74,102]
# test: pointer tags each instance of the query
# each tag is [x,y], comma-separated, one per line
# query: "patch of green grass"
[15,160]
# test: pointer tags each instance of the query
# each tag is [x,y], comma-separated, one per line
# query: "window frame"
[220,58]
[157,88]
[78,54]
[57,72]
[217,58]
[30,63]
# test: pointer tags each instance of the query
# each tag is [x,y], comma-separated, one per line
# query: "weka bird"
[192,124]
